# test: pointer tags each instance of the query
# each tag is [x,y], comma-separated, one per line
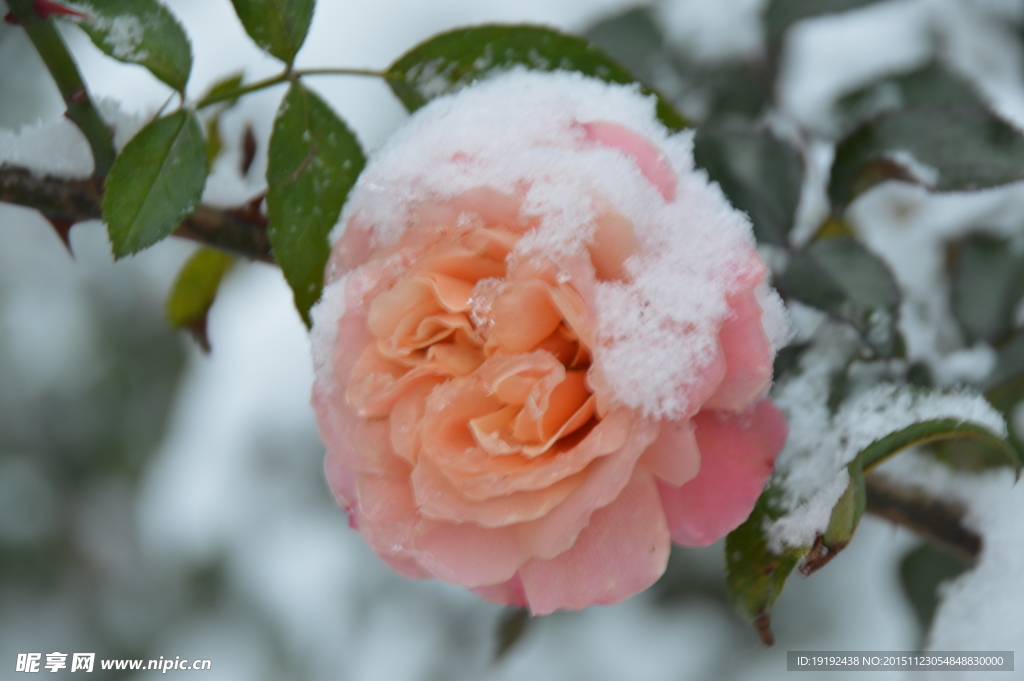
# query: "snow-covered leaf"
[708,88]
[450,61]
[195,289]
[779,15]
[140,32]
[944,148]
[314,160]
[760,174]
[838,275]
[932,84]
[157,180]
[277,26]
[810,526]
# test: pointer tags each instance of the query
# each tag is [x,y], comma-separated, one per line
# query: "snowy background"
[158,502]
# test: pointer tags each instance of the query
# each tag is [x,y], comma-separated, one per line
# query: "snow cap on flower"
[658,330]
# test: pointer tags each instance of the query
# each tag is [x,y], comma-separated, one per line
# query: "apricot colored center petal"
[737,456]
[748,356]
[439,499]
[623,550]
[674,457]
[507,474]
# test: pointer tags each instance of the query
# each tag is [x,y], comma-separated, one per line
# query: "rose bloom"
[544,346]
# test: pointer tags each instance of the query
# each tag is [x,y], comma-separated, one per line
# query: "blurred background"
[156,501]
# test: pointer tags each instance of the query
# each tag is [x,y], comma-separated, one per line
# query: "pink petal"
[649,159]
[737,456]
[621,552]
[554,533]
[748,357]
[674,456]
[341,480]
[468,554]
[506,593]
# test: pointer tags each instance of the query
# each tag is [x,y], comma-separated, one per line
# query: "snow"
[58,148]
[657,332]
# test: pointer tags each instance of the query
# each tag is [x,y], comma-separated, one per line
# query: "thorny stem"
[80,107]
[286,76]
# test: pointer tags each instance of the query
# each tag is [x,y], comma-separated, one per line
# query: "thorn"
[819,556]
[45,9]
[198,331]
[248,150]
[11,19]
[63,229]
[763,622]
[79,96]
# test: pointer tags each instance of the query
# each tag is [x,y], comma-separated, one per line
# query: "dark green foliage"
[314,160]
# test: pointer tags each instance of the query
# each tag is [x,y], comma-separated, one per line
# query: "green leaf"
[277,26]
[313,162]
[922,571]
[760,174]
[931,84]
[779,15]
[944,148]
[450,61]
[156,182]
[513,624]
[754,574]
[935,430]
[838,275]
[195,289]
[220,87]
[987,282]
[140,32]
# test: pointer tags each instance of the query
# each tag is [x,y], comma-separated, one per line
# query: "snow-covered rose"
[544,346]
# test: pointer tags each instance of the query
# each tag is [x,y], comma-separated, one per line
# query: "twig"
[242,231]
[940,521]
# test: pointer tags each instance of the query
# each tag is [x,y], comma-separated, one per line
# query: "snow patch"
[520,132]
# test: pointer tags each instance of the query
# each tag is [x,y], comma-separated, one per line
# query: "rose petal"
[627,437]
[439,499]
[737,453]
[469,554]
[622,551]
[674,456]
[748,357]
[649,159]
[506,593]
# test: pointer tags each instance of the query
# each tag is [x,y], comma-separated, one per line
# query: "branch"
[242,231]
[940,521]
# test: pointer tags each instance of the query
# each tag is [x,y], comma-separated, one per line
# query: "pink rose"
[542,353]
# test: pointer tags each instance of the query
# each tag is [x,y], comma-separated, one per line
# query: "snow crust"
[521,132]
[59,148]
